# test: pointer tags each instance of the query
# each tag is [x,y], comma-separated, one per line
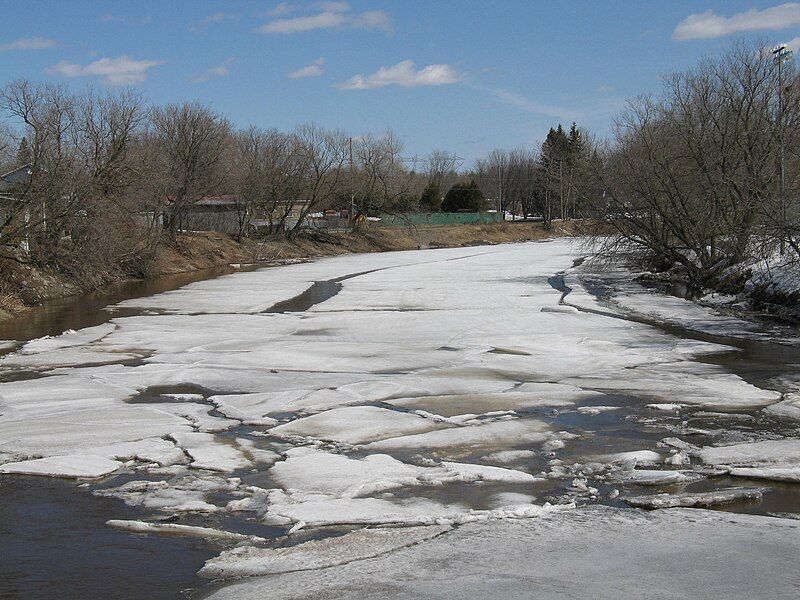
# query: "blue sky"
[466,76]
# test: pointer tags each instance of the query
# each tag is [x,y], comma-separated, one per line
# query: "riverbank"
[24,286]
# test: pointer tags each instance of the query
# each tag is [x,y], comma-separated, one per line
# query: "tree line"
[704,176]
[700,177]
[108,177]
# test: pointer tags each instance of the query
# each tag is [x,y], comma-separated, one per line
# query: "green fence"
[463,218]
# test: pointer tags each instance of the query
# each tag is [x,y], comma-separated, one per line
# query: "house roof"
[229,200]
[221,200]
[14,176]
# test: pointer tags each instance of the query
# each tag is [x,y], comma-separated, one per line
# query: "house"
[211,213]
[14,217]
[15,178]
[225,213]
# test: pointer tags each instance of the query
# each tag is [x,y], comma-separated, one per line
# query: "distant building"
[14,218]
[225,212]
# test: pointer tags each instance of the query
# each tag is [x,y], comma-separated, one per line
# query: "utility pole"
[780,54]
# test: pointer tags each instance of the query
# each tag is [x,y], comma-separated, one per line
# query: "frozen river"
[367,412]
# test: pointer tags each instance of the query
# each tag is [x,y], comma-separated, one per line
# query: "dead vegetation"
[23,286]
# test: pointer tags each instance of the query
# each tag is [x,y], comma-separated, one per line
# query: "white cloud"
[323,20]
[210,20]
[281,9]
[222,70]
[33,43]
[528,105]
[372,19]
[793,45]
[334,6]
[331,15]
[115,71]
[312,70]
[604,89]
[403,74]
[709,25]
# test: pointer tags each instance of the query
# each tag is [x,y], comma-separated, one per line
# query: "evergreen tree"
[563,160]
[464,197]
[431,199]
[575,145]
[24,152]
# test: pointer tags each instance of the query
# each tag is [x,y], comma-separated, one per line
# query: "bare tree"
[441,169]
[319,156]
[380,181]
[6,147]
[193,142]
[689,175]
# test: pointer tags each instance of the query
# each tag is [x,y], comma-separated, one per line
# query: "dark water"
[317,293]
[56,316]
[54,544]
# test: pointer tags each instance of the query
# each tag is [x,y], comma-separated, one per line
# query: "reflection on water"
[56,316]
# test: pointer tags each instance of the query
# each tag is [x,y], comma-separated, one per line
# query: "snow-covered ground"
[436,389]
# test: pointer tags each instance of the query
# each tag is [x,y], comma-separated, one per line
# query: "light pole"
[780,54]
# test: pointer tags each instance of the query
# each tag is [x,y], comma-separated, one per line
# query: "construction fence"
[439,218]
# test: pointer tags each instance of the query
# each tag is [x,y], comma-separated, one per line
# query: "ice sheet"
[764,453]
[617,553]
[461,441]
[356,425]
[317,554]
[74,466]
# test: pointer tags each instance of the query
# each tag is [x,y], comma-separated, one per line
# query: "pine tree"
[431,199]
[24,152]
[465,197]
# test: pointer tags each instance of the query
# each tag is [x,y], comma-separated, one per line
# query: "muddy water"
[56,316]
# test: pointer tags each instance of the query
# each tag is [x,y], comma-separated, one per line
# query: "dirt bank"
[24,286]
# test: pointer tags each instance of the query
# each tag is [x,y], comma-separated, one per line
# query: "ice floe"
[334,474]
[693,499]
[462,441]
[207,452]
[655,477]
[788,408]
[789,474]
[356,425]
[179,529]
[74,466]
[183,493]
[766,453]
[318,510]
[509,456]
[316,554]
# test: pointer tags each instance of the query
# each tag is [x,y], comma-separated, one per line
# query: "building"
[14,216]
[228,213]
